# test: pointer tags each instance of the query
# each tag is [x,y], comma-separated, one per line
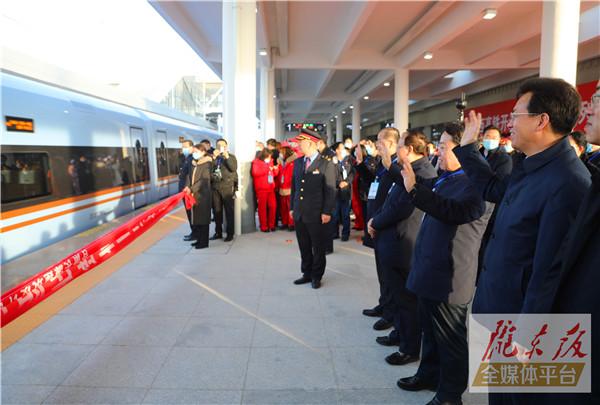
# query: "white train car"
[71,161]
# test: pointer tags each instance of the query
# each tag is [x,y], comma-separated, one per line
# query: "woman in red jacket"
[285,186]
[264,173]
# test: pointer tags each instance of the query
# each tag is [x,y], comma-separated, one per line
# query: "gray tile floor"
[217,326]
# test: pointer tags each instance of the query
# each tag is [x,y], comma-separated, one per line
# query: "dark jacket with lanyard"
[379,189]
[444,263]
[224,175]
[344,172]
[185,166]
[367,171]
[398,221]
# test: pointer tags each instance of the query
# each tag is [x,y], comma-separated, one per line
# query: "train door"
[162,164]
[141,168]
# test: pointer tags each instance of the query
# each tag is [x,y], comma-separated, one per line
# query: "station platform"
[225,325]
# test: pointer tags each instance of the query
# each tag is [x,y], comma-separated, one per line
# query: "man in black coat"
[501,163]
[387,143]
[538,201]
[344,176]
[394,228]
[223,185]
[444,268]
[571,284]
[185,165]
[311,205]
[366,165]
[328,154]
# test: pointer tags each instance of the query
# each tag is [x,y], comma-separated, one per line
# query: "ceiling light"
[262,52]
[366,97]
[331,120]
[428,55]
[335,116]
[386,84]
[343,112]
[274,95]
[489,13]
[351,107]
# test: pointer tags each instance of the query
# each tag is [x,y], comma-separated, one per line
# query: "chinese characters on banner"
[530,353]
[498,114]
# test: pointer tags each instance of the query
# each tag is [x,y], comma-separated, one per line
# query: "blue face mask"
[186,152]
[196,155]
[491,144]
[588,148]
[369,150]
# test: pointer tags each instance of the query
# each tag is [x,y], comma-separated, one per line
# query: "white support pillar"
[270,101]
[264,101]
[401,99]
[339,129]
[356,122]
[239,100]
[329,130]
[560,39]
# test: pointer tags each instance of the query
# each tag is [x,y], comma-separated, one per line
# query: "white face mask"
[491,144]
[348,145]
[508,148]
[267,160]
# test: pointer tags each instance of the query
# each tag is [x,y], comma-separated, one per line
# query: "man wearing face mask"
[345,176]
[198,184]
[366,164]
[185,165]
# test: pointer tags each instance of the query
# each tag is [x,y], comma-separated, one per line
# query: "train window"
[25,176]
[162,161]
[175,158]
[142,170]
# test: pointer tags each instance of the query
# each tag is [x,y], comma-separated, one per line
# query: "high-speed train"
[71,161]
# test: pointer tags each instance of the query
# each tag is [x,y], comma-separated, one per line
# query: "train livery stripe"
[63,201]
[65,212]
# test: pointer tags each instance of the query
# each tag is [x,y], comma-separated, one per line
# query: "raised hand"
[472,128]
[325,218]
[408,174]
[359,155]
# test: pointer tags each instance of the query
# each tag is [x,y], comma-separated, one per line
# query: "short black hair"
[222,140]
[455,130]
[272,142]
[492,127]
[555,97]
[579,138]
[191,143]
[205,141]
[336,145]
[346,138]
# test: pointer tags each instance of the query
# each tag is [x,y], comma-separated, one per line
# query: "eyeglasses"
[514,115]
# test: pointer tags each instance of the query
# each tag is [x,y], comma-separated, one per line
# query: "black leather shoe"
[229,238]
[196,246]
[265,231]
[375,312]
[273,229]
[188,238]
[302,280]
[436,401]
[336,237]
[291,229]
[387,341]
[215,237]
[382,324]
[415,383]
[400,359]
[316,284]
[345,238]
[328,252]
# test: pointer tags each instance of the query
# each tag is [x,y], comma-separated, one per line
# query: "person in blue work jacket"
[444,268]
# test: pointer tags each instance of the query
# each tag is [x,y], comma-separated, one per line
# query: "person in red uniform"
[264,173]
[285,185]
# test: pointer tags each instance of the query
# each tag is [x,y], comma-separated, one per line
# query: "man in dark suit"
[444,268]
[312,204]
[394,229]
[328,154]
[185,164]
[387,142]
[538,201]
[223,186]
[344,177]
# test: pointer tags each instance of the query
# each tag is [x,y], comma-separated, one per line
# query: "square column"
[356,122]
[339,129]
[401,99]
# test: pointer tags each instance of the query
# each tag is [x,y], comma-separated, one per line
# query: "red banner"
[39,287]
[498,114]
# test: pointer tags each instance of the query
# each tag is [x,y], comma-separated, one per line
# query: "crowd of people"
[507,225]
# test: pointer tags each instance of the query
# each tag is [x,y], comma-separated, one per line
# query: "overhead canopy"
[328,54]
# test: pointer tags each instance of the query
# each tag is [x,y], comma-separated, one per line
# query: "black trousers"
[312,240]
[384,292]
[200,233]
[445,357]
[403,307]
[223,201]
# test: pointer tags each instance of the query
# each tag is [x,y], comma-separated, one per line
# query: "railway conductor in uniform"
[311,205]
